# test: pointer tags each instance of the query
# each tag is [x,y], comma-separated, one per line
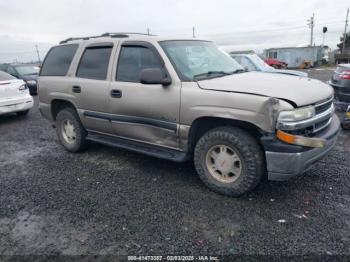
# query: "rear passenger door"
[91,86]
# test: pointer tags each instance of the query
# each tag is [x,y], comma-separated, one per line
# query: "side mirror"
[154,76]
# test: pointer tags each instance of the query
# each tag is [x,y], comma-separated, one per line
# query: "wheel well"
[202,125]
[58,104]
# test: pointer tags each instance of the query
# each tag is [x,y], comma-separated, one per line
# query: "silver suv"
[183,98]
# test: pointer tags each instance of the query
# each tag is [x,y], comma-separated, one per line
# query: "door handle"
[76,89]
[116,93]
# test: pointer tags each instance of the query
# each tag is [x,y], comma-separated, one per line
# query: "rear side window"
[94,63]
[58,60]
[5,76]
[132,60]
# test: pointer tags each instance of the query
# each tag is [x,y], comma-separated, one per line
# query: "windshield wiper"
[238,71]
[211,73]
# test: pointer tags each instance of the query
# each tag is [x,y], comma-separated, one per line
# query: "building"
[295,56]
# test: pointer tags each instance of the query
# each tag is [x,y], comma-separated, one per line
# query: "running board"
[147,149]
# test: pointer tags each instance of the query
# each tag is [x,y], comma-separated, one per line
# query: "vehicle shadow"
[184,174]
[9,118]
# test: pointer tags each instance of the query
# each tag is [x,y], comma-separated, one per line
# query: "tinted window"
[94,63]
[4,76]
[132,60]
[58,60]
[3,67]
[12,71]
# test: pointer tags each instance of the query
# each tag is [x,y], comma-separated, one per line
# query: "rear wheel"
[229,161]
[70,131]
[23,113]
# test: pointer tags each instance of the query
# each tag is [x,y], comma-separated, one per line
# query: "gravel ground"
[111,201]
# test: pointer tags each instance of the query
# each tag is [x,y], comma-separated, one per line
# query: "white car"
[14,95]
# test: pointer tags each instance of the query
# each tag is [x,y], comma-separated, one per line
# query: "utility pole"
[148,31]
[194,32]
[37,51]
[311,25]
[345,29]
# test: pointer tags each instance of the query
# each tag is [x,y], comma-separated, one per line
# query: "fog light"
[300,140]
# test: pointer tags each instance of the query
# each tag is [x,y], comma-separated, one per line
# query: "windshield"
[196,60]
[5,77]
[27,70]
[260,63]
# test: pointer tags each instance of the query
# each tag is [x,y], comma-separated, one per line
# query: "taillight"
[23,87]
[345,74]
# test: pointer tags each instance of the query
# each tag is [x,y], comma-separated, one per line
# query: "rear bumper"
[342,93]
[290,160]
[16,104]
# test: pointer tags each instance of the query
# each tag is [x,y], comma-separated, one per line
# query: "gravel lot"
[111,201]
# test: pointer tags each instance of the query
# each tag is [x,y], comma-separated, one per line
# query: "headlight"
[22,87]
[31,82]
[297,114]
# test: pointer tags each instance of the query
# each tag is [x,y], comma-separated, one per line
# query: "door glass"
[58,60]
[132,60]
[94,63]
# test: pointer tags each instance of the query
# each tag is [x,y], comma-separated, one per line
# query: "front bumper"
[284,161]
[16,104]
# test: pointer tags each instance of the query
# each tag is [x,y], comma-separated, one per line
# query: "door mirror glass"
[154,76]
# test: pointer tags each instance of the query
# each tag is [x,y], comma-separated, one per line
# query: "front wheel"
[70,131]
[229,161]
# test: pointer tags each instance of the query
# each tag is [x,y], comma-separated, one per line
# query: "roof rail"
[124,34]
[116,35]
[76,38]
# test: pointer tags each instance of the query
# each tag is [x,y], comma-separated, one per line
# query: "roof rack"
[124,34]
[114,35]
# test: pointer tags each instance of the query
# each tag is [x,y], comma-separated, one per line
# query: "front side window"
[132,60]
[94,63]
[58,60]
[196,60]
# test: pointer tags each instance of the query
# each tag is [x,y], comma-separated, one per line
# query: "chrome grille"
[322,119]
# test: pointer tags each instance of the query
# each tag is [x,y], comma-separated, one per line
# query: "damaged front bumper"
[284,161]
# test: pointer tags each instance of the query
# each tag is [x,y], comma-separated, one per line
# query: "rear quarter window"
[58,60]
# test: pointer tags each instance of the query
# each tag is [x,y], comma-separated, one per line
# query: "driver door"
[143,112]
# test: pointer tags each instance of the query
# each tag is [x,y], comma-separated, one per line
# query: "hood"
[300,90]
[291,72]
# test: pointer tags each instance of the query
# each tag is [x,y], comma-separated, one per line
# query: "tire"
[23,113]
[345,126]
[75,141]
[245,147]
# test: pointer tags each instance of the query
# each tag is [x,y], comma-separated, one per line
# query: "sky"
[234,24]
